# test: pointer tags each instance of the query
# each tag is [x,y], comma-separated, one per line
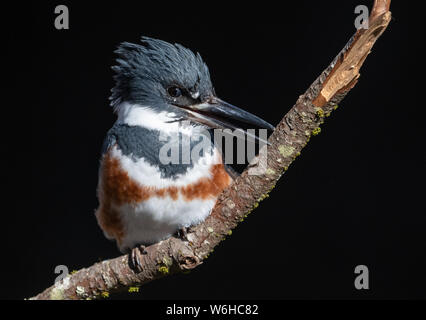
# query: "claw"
[134,257]
[182,233]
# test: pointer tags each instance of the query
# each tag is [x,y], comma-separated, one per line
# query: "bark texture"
[286,142]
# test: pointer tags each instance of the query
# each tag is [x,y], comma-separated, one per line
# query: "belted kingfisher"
[158,86]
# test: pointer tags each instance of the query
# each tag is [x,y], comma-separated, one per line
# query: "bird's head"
[161,84]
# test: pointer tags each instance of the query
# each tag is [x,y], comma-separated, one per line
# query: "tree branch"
[286,142]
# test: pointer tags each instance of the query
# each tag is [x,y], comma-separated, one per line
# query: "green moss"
[263,197]
[286,151]
[167,261]
[230,233]
[105,294]
[166,264]
[163,270]
[320,113]
[56,294]
[316,131]
[270,171]
[133,289]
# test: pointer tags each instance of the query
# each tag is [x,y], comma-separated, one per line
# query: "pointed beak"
[216,113]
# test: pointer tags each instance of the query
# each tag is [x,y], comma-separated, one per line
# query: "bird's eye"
[174,92]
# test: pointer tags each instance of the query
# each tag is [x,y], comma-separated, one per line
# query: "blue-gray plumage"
[171,78]
[138,142]
[144,71]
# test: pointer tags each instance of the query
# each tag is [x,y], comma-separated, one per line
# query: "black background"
[355,196]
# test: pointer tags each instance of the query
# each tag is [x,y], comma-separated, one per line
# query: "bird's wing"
[109,141]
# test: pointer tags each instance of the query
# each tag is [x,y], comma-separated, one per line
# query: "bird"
[163,96]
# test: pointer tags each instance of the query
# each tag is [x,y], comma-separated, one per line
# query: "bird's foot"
[135,258]
[182,233]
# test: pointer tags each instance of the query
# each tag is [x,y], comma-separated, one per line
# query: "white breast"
[149,176]
[158,218]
